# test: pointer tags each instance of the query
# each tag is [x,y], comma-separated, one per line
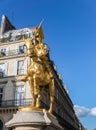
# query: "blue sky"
[70,30]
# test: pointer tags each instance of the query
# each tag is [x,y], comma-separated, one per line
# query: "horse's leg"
[51,91]
[32,92]
[38,97]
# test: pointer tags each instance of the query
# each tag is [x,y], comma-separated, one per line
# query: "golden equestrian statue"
[38,72]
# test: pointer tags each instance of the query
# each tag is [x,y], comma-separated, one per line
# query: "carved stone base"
[33,120]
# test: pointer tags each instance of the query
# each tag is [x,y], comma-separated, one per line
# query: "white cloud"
[93,111]
[82,111]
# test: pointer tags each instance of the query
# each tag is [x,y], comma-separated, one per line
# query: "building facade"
[15,93]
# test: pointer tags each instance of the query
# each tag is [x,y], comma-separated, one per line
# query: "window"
[1,95]
[56,93]
[3,51]
[1,125]
[2,69]
[19,96]
[20,67]
[1,74]
[22,49]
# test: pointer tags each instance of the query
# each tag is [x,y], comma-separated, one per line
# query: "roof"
[9,33]
[6,25]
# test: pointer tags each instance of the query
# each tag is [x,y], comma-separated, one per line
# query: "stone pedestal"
[33,120]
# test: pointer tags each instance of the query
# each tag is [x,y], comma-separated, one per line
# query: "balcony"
[15,103]
[12,53]
[20,103]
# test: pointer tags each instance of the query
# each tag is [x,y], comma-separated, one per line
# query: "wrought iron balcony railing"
[19,103]
[15,103]
[12,52]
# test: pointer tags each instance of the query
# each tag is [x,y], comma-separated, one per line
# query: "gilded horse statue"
[38,72]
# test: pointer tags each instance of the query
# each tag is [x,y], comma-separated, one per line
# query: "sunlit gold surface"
[38,71]
[30,109]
